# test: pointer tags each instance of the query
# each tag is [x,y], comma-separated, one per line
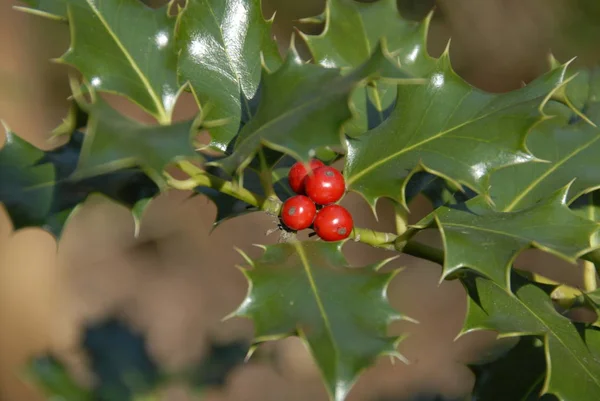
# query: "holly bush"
[504,172]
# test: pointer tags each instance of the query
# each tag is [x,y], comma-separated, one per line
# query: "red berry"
[298,212]
[333,223]
[326,185]
[298,173]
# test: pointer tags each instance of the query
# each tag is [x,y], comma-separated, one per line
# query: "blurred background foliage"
[113,318]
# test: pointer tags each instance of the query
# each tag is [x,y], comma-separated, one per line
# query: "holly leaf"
[569,146]
[25,188]
[50,375]
[448,128]
[341,313]
[53,9]
[437,190]
[125,47]
[37,190]
[227,206]
[352,32]
[518,375]
[215,368]
[573,372]
[302,108]
[221,43]
[479,238]
[120,361]
[114,142]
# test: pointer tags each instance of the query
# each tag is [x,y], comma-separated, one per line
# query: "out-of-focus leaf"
[120,361]
[128,48]
[51,376]
[341,313]
[221,360]
[221,43]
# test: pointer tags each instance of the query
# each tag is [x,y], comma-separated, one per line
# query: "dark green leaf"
[573,372]
[228,206]
[75,119]
[480,238]
[292,119]
[120,361]
[448,128]
[36,188]
[352,32]
[114,142]
[54,9]
[569,145]
[516,376]
[129,187]
[221,360]
[125,47]
[221,43]
[341,313]
[51,376]
[436,189]
[26,189]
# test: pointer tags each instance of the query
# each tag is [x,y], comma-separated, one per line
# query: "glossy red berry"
[326,185]
[333,223]
[298,212]
[298,174]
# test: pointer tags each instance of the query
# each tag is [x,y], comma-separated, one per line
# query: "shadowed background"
[175,283]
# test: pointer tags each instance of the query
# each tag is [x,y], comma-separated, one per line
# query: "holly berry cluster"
[317,190]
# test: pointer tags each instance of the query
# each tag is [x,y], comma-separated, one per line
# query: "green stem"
[589,276]
[265,176]
[389,241]
[401,215]
[374,238]
[423,251]
[205,179]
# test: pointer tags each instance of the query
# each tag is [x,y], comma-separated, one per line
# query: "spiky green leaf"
[302,109]
[448,128]
[341,313]
[573,371]
[26,188]
[114,142]
[517,376]
[125,47]
[37,189]
[568,144]
[352,32]
[221,43]
[480,238]
[53,9]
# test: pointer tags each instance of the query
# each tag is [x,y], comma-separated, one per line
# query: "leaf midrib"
[550,330]
[489,230]
[163,117]
[547,173]
[379,162]
[293,110]
[225,49]
[315,291]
